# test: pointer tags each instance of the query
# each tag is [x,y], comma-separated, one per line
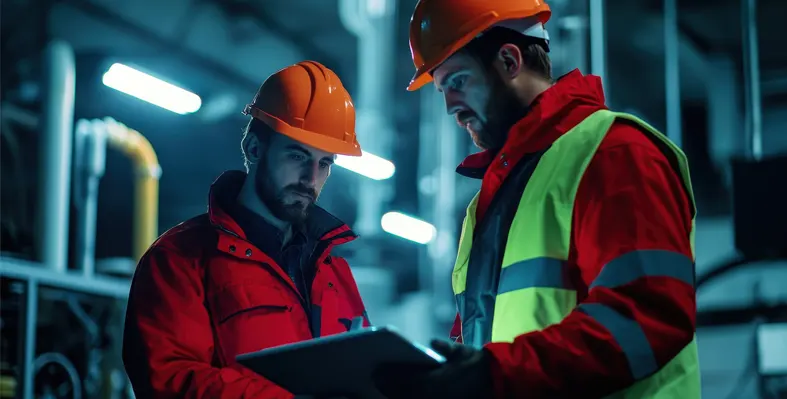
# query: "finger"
[444,348]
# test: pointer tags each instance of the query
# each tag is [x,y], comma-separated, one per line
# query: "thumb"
[444,348]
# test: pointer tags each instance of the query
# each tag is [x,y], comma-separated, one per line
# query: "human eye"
[458,82]
[296,156]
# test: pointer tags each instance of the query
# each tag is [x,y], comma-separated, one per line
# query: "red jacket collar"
[572,98]
[320,224]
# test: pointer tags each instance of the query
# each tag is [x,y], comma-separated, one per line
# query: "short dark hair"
[534,50]
[255,128]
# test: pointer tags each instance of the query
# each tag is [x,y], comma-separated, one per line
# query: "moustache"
[463,116]
[303,190]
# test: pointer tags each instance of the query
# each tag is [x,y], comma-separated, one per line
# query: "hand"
[465,374]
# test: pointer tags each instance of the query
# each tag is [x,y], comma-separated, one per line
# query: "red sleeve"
[168,338]
[631,243]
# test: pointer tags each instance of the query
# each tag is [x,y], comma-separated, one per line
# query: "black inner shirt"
[293,257]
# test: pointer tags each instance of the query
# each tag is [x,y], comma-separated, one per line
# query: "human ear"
[510,59]
[252,148]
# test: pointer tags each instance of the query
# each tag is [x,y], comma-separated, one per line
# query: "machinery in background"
[760,227]
[42,298]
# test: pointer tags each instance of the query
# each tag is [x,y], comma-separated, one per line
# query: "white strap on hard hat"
[527,26]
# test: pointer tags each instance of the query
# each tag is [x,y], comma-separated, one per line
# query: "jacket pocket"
[239,299]
[252,317]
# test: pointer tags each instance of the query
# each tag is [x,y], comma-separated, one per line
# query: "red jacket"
[630,198]
[202,295]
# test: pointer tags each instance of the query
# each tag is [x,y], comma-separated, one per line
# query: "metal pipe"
[19,115]
[751,60]
[373,23]
[90,160]
[672,72]
[146,185]
[55,156]
[598,42]
[428,171]
[20,269]
[439,153]
[31,323]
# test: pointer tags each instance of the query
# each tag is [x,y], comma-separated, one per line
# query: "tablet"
[338,364]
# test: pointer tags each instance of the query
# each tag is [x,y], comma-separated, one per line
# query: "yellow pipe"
[147,172]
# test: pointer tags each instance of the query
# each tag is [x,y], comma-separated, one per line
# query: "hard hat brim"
[309,138]
[419,80]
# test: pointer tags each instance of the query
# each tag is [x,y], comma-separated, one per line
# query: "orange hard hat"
[308,103]
[440,28]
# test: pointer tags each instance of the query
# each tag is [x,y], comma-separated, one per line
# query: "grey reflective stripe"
[629,336]
[460,302]
[646,263]
[474,329]
[538,272]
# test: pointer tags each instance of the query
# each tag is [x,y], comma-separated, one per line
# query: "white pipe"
[672,72]
[91,140]
[372,22]
[751,59]
[439,152]
[55,156]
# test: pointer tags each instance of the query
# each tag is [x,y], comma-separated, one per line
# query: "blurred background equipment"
[117,116]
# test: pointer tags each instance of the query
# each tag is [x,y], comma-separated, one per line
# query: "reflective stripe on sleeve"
[646,263]
[629,336]
[538,272]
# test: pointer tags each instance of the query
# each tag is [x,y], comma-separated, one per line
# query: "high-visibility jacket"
[524,286]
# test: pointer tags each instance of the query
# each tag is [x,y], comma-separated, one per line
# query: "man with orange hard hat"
[256,270]
[575,271]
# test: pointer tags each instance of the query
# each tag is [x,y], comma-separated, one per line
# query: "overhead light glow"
[153,90]
[369,165]
[408,227]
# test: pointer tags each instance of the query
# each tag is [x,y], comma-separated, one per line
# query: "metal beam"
[672,72]
[751,62]
[20,269]
[772,313]
[169,47]
[598,42]
[27,339]
[301,41]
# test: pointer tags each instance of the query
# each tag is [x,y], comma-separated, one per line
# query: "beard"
[274,198]
[503,110]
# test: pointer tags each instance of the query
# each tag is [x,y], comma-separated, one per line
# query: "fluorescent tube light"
[408,227]
[368,165]
[153,90]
